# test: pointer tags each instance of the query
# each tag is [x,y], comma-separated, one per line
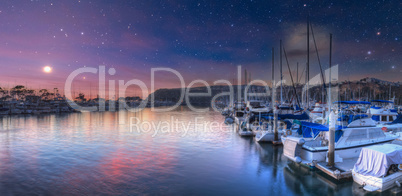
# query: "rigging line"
[291,77]
[318,57]
[296,74]
[302,75]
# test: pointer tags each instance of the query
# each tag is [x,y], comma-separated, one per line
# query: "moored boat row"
[306,142]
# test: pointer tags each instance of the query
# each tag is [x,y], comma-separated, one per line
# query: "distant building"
[136,98]
[32,98]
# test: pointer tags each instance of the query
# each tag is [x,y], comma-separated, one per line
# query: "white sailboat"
[267,133]
[243,130]
[256,106]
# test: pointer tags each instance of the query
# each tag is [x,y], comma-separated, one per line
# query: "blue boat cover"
[375,117]
[356,117]
[303,116]
[381,101]
[338,135]
[286,107]
[350,118]
[398,120]
[269,116]
[288,124]
[266,117]
[352,102]
[311,130]
[343,117]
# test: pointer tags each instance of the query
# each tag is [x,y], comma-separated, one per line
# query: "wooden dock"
[341,170]
[279,142]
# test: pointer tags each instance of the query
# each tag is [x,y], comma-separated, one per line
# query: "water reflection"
[92,153]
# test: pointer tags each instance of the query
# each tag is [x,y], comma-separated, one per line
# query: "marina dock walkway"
[341,170]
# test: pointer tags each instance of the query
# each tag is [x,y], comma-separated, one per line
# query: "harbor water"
[180,152]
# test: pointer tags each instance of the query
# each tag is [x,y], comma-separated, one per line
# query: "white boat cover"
[376,160]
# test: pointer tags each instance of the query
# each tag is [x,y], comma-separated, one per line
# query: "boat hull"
[246,133]
[381,184]
[295,150]
[267,136]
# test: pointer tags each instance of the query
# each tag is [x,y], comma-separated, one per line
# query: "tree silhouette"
[81,97]
[18,92]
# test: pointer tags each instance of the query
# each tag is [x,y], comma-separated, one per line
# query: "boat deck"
[341,170]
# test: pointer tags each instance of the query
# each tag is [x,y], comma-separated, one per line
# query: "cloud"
[295,39]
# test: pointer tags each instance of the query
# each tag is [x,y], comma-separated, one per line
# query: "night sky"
[200,39]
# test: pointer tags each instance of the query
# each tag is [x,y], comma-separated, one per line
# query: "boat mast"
[390,91]
[359,91]
[272,78]
[90,91]
[331,146]
[276,138]
[245,85]
[308,61]
[280,62]
[324,88]
[297,80]
[297,73]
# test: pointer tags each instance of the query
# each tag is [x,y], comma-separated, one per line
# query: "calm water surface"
[92,153]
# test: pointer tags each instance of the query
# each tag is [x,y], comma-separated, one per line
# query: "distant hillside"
[174,94]
[364,89]
[378,81]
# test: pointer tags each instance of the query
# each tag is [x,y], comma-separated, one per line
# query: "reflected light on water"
[91,153]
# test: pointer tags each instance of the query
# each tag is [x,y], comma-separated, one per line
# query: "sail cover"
[311,130]
[376,160]
[397,121]
[382,101]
